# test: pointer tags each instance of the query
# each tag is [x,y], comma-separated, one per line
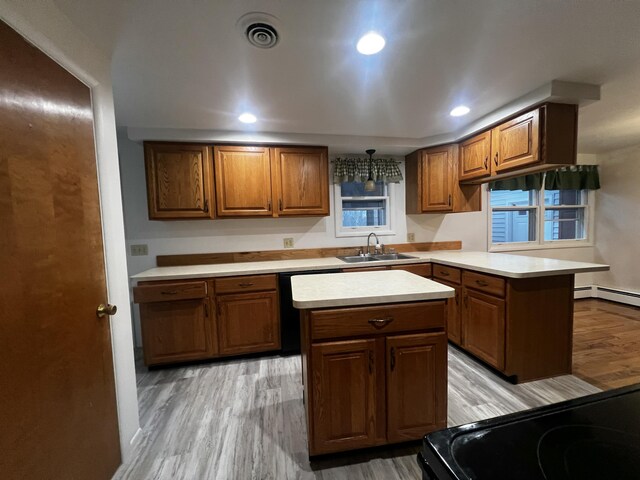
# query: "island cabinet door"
[344,395]
[416,385]
[483,327]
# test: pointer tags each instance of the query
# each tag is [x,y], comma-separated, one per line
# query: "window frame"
[539,207]
[363,231]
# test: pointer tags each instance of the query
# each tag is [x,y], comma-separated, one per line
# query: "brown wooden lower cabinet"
[519,326]
[388,385]
[191,320]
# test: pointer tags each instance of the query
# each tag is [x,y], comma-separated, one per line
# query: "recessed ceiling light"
[459,111]
[247,118]
[370,43]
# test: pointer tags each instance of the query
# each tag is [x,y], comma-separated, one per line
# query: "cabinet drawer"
[167,292]
[358,321]
[449,274]
[485,283]
[254,283]
[422,269]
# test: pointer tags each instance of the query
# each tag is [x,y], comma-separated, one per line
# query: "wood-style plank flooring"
[606,343]
[244,419]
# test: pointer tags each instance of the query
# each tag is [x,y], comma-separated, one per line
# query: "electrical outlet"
[139,250]
[411,237]
[288,242]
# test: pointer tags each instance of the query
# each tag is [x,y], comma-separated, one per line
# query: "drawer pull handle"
[380,322]
[444,274]
[245,285]
[482,283]
[169,292]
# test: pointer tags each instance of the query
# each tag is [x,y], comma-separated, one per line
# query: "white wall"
[618,219]
[51,31]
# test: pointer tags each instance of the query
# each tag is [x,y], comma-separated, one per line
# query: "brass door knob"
[104,310]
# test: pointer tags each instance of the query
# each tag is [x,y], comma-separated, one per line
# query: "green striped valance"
[356,169]
[575,177]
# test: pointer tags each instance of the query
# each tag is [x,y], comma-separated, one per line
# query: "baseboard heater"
[607,293]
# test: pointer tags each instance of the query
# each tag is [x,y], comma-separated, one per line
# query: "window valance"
[356,169]
[575,177]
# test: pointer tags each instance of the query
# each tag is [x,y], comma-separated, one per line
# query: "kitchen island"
[374,357]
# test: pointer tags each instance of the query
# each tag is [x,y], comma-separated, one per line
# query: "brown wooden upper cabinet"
[538,140]
[271,182]
[179,181]
[432,183]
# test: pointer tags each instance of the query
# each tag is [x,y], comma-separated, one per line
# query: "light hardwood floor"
[606,343]
[243,419]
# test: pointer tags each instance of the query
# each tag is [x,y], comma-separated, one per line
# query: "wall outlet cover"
[287,242]
[411,237]
[139,250]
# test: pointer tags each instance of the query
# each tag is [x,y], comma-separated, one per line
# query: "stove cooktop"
[593,437]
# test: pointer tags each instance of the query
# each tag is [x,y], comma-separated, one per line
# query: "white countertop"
[364,288]
[512,266]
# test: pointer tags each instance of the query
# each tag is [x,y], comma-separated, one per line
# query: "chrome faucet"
[369,243]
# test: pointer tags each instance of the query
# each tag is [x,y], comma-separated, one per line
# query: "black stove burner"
[594,437]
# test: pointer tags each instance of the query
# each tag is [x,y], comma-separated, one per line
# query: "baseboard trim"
[626,297]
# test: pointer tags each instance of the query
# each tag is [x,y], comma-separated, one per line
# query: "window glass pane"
[363,213]
[513,226]
[512,198]
[564,224]
[356,189]
[564,197]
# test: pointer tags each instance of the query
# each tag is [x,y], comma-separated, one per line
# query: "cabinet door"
[243,181]
[515,143]
[437,179]
[176,331]
[475,156]
[248,323]
[301,181]
[179,181]
[483,327]
[344,395]
[454,314]
[416,385]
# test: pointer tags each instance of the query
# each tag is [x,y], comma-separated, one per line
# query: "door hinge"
[206,309]
[371,361]
[280,204]
[206,205]
[393,358]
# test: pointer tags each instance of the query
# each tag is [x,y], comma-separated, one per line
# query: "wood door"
[437,179]
[176,331]
[483,327]
[58,405]
[454,313]
[416,385]
[475,157]
[243,181]
[344,395]
[301,181]
[179,181]
[516,142]
[248,322]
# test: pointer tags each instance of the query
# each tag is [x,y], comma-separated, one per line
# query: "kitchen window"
[522,219]
[359,212]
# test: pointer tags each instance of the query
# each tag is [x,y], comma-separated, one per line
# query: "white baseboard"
[627,297]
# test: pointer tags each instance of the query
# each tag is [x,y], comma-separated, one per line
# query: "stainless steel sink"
[375,258]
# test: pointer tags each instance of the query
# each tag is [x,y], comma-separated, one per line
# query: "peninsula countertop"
[511,266]
[364,288]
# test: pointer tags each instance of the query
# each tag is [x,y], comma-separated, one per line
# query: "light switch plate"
[411,237]
[288,242]
[139,250]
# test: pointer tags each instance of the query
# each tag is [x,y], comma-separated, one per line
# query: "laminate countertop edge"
[510,266]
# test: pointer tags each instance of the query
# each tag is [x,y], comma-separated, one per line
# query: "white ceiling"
[185,64]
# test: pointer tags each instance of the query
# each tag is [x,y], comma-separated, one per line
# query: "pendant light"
[370,184]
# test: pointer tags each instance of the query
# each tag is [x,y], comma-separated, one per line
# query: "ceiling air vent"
[259,29]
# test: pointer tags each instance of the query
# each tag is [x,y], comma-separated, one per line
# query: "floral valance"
[350,169]
[575,177]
